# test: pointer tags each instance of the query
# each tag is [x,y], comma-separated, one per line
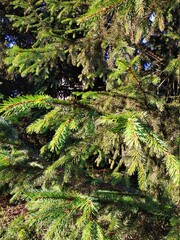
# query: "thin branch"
[100,11]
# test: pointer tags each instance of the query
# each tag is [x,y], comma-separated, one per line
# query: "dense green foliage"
[89,129]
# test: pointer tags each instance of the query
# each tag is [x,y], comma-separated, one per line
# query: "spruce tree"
[91,151]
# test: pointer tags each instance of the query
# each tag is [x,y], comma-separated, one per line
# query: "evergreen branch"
[45,123]
[136,133]
[60,162]
[173,168]
[69,196]
[99,11]
[60,137]
[128,68]
[22,104]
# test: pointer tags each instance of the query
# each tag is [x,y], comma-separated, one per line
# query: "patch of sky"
[152,17]
[10,41]
[106,55]
[144,41]
[14,93]
[147,66]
